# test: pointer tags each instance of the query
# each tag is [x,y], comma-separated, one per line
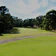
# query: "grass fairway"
[25,32]
[39,46]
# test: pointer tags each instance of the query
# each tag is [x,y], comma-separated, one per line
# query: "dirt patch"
[21,38]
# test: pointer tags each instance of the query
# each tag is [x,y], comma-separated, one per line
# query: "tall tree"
[50,21]
[18,22]
[39,20]
[6,20]
[4,10]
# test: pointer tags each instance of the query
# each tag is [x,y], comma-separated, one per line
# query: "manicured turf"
[39,46]
[24,32]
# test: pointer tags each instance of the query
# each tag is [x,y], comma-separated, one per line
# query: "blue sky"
[28,8]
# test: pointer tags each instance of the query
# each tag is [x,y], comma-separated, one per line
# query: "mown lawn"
[25,32]
[39,46]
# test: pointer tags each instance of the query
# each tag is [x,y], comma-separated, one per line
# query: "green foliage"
[30,22]
[50,21]
[18,22]
[14,31]
[6,20]
[39,20]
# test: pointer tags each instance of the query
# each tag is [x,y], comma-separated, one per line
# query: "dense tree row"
[47,22]
[25,23]
[32,22]
[7,22]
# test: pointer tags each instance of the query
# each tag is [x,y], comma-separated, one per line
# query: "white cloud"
[32,15]
[44,3]
[19,7]
[53,0]
[32,6]
[51,8]
[1,3]
[27,9]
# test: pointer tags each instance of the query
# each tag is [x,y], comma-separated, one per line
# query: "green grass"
[25,32]
[39,46]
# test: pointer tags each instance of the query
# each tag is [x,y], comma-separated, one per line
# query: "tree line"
[8,22]
[47,22]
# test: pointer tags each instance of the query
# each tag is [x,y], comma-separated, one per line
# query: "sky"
[28,8]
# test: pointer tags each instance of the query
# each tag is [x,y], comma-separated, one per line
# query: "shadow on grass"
[12,31]
[1,34]
[54,31]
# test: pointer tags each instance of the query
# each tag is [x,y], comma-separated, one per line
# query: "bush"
[14,31]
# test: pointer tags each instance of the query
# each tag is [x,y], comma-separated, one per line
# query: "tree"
[39,20]
[30,22]
[26,23]
[6,20]
[50,21]
[4,10]
[18,22]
